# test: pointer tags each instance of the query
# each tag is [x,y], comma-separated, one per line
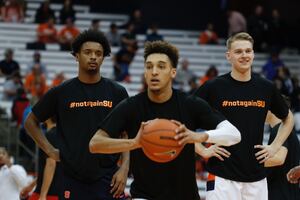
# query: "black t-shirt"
[55,186]
[245,105]
[278,186]
[8,68]
[160,181]
[79,108]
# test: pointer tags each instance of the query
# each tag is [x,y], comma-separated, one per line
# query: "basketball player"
[79,104]
[244,99]
[176,179]
[287,157]
[47,184]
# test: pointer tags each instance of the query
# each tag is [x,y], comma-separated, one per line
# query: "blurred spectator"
[257,28]
[236,22]
[193,85]
[138,22]
[12,11]
[58,79]
[66,12]
[129,37]
[36,59]
[67,34]
[122,61]
[46,33]
[8,65]
[276,31]
[208,36]
[153,34]
[44,12]
[35,82]
[12,177]
[26,140]
[211,73]
[95,25]
[283,81]
[20,103]
[184,74]
[11,86]
[269,69]
[113,36]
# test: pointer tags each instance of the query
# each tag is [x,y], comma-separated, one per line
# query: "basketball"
[158,141]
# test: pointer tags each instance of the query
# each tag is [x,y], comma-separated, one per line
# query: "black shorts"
[74,189]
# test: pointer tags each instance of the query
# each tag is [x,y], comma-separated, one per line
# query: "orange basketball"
[158,141]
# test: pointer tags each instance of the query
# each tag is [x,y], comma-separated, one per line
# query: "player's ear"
[173,72]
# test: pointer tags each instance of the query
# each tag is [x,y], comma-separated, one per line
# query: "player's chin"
[93,70]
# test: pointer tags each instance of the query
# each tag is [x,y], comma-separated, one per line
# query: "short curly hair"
[91,36]
[162,47]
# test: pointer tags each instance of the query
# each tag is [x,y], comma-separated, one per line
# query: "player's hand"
[25,192]
[214,151]
[118,182]
[137,138]
[293,175]
[184,135]
[54,154]
[266,152]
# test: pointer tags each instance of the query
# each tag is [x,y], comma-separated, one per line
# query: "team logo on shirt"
[91,104]
[252,103]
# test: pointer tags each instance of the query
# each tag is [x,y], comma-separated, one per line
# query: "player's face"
[241,56]
[3,156]
[159,72]
[90,57]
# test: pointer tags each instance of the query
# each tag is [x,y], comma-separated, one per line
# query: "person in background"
[8,65]
[13,177]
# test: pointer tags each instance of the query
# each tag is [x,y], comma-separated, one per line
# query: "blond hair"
[239,36]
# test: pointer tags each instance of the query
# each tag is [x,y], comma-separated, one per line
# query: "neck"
[50,126]
[89,78]
[240,76]
[160,96]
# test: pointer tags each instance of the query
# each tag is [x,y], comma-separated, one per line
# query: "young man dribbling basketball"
[244,99]
[175,179]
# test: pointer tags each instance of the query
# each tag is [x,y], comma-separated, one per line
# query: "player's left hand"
[25,192]
[266,152]
[184,135]
[118,182]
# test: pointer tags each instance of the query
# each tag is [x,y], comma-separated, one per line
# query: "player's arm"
[27,189]
[211,151]
[225,134]
[33,129]
[101,142]
[49,171]
[284,131]
[278,159]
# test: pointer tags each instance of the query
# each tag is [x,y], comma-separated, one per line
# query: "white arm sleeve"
[19,175]
[225,134]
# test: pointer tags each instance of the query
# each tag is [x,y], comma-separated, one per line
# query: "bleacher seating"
[200,56]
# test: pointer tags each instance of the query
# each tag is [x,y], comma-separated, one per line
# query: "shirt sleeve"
[46,106]
[278,105]
[205,117]
[19,175]
[117,120]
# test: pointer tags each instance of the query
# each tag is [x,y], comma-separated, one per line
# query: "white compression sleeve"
[225,134]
